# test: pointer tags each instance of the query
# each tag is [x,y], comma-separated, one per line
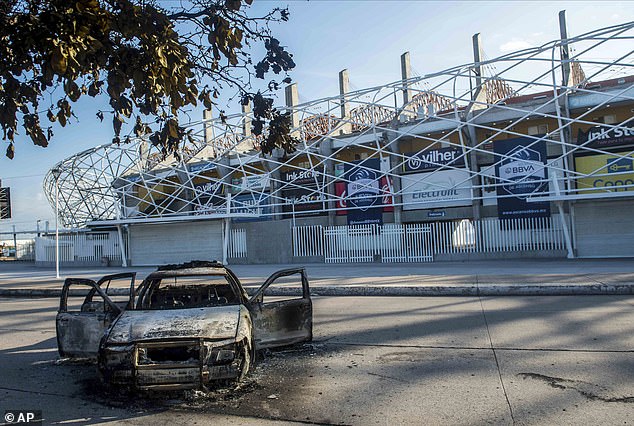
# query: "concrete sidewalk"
[501,277]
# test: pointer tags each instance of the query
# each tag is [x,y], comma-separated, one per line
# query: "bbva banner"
[521,172]
[363,189]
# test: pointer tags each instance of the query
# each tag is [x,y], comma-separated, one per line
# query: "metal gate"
[373,243]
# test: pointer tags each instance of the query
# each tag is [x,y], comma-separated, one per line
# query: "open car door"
[80,328]
[284,317]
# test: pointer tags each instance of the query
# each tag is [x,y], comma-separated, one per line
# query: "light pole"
[56,172]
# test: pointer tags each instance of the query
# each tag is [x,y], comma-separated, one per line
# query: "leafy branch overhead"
[150,59]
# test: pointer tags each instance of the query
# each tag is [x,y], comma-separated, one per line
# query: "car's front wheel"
[247,359]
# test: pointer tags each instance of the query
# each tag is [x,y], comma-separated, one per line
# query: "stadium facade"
[526,155]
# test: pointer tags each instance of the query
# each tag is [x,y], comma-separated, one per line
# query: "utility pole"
[15,243]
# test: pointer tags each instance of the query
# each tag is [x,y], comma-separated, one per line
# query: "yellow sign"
[607,173]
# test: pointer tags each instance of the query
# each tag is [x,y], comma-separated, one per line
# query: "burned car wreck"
[185,326]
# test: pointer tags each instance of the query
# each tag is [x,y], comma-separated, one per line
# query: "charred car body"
[184,326]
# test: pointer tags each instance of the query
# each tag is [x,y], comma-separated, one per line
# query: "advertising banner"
[520,168]
[197,167]
[387,191]
[208,189]
[209,199]
[387,199]
[304,201]
[604,137]
[211,205]
[609,173]
[307,178]
[250,183]
[340,191]
[488,180]
[433,159]
[445,188]
[363,188]
[255,204]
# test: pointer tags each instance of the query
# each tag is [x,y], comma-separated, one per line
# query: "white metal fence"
[308,241]
[79,247]
[26,250]
[421,242]
[237,243]
[367,243]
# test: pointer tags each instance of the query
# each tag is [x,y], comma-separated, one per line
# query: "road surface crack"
[495,357]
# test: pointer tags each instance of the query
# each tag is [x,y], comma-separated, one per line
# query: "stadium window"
[609,119]
[540,129]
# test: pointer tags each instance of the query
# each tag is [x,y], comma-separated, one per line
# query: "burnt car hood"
[219,322]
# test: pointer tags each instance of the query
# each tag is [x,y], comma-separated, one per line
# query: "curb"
[464,290]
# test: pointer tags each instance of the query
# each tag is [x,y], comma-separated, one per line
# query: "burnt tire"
[247,360]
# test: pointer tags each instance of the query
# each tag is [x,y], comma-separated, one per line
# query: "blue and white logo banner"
[520,166]
[364,192]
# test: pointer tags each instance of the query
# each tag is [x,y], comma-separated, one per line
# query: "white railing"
[367,243]
[308,241]
[493,235]
[25,251]
[420,242]
[406,243]
[79,247]
[237,243]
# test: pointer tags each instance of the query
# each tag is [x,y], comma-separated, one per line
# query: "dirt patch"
[591,391]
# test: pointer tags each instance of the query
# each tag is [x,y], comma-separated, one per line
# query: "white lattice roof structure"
[559,92]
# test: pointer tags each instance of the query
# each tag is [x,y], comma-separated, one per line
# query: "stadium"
[530,154]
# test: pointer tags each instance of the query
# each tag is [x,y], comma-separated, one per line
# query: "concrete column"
[565,135]
[271,167]
[224,171]
[209,130]
[292,100]
[275,184]
[406,74]
[564,51]
[396,183]
[344,88]
[246,123]
[479,95]
[325,149]
[477,58]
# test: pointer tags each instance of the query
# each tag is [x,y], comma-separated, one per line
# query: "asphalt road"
[504,360]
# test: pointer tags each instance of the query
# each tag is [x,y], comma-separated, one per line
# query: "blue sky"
[366,37]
